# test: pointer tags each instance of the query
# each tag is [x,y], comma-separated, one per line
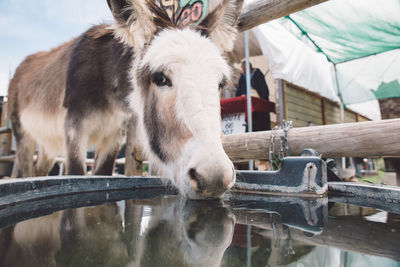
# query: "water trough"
[294,212]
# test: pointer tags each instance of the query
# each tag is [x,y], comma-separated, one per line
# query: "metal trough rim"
[27,189]
[380,192]
[382,197]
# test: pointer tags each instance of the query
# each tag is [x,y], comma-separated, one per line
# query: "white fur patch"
[48,130]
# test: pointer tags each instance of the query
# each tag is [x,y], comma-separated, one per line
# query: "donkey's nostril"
[197,179]
[192,174]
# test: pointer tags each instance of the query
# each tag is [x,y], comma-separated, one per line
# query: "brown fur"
[45,70]
[162,125]
[41,82]
[174,135]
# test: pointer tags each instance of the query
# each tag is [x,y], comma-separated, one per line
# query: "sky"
[30,26]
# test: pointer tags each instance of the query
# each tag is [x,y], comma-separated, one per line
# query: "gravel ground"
[390,178]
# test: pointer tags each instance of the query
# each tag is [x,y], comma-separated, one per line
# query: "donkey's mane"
[99,31]
[161,18]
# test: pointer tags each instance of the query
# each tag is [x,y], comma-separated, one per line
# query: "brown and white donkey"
[164,75]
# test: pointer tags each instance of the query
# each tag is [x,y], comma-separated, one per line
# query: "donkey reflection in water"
[191,233]
[178,233]
[165,75]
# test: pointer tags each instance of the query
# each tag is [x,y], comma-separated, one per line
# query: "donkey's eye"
[160,79]
[222,84]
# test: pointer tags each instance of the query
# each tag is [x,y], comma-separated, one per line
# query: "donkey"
[162,76]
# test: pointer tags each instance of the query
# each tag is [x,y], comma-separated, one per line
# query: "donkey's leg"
[23,165]
[24,153]
[76,155]
[76,145]
[105,161]
[43,164]
[106,153]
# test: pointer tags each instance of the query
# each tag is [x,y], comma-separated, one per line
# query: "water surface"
[243,230]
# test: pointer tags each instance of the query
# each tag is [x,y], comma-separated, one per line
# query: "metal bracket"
[301,213]
[297,175]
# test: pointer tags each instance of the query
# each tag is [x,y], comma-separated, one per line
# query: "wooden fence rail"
[262,11]
[361,139]
[4,130]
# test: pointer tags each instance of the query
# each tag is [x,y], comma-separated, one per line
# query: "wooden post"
[357,117]
[6,138]
[4,130]
[282,102]
[262,11]
[133,158]
[323,111]
[361,139]
[132,241]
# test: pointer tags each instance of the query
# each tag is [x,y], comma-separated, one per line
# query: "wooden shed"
[306,108]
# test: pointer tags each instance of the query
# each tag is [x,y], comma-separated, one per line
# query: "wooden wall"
[306,108]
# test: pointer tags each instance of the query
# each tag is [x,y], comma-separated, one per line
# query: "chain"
[284,143]
[272,142]
[272,160]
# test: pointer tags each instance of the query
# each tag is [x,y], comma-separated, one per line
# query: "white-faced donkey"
[165,75]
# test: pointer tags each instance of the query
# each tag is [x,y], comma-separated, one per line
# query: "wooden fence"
[306,108]
[6,138]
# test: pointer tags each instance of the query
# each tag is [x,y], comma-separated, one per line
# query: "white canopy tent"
[292,60]
[347,51]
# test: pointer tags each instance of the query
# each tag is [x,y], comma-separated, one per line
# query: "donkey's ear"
[134,23]
[220,24]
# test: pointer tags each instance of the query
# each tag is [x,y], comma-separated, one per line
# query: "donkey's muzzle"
[211,182]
